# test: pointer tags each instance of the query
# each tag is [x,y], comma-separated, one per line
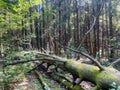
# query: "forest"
[59,44]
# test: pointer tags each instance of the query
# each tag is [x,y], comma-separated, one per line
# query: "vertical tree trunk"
[1,46]
[111,30]
[37,33]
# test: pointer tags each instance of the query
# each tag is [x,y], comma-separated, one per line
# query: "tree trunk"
[102,78]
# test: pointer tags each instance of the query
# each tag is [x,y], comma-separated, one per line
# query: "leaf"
[37,2]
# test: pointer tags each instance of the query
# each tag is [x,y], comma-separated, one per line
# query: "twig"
[115,62]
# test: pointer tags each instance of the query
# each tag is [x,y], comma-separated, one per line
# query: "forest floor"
[32,83]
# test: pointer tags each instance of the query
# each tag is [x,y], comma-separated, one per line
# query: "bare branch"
[37,59]
[87,32]
[93,24]
[86,55]
[102,6]
[115,62]
[2,61]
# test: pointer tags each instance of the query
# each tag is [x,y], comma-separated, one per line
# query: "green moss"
[105,78]
[93,73]
[106,75]
[84,71]
[76,87]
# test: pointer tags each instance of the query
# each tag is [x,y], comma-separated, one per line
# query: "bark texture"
[102,78]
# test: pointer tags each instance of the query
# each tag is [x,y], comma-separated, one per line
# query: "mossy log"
[102,78]
[65,82]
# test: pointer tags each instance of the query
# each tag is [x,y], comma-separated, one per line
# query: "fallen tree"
[101,77]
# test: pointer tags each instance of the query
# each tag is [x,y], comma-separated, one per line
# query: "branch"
[34,68]
[92,26]
[49,56]
[88,56]
[87,32]
[44,85]
[46,55]
[1,61]
[37,59]
[115,62]
[65,82]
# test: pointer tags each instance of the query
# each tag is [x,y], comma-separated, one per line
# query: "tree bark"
[103,78]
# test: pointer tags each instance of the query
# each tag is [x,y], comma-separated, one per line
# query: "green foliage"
[21,56]
[2,3]
[16,73]
[11,19]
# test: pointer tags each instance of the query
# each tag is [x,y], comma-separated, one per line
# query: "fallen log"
[65,82]
[103,78]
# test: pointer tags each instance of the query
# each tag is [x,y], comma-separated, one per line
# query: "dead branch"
[37,59]
[92,26]
[44,55]
[44,85]
[86,55]
[65,82]
[2,61]
[115,62]
[35,67]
